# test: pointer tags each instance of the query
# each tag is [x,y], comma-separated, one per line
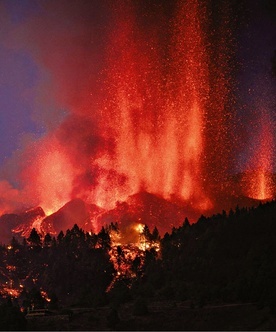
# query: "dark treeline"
[222,259]
[226,258]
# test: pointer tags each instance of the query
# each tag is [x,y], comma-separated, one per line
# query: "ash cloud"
[69,44]
[66,42]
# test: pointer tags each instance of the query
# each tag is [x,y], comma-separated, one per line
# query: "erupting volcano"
[158,104]
[157,107]
[148,106]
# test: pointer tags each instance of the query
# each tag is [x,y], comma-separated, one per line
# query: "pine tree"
[34,239]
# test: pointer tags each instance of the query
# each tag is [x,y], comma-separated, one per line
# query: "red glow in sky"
[130,97]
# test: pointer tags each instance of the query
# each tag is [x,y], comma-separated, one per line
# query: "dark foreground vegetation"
[217,274]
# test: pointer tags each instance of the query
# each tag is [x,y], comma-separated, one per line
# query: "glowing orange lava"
[51,177]
[158,119]
[157,111]
[124,258]
[54,179]
[258,177]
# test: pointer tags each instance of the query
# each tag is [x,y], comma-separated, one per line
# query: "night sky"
[30,108]
[19,75]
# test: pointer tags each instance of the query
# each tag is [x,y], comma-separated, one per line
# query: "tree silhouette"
[47,240]
[34,239]
[104,240]
[60,237]
[155,235]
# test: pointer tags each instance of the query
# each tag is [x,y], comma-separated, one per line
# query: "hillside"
[222,266]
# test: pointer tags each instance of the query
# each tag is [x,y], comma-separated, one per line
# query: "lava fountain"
[160,120]
[156,106]
[186,101]
[258,182]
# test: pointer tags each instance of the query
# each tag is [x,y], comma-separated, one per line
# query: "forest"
[228,258]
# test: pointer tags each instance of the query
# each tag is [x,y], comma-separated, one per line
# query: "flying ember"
[157,108]
[258,178]
[145,102]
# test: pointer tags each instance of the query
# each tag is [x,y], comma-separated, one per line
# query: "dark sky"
[28,107]
[19,75]
[256,84]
